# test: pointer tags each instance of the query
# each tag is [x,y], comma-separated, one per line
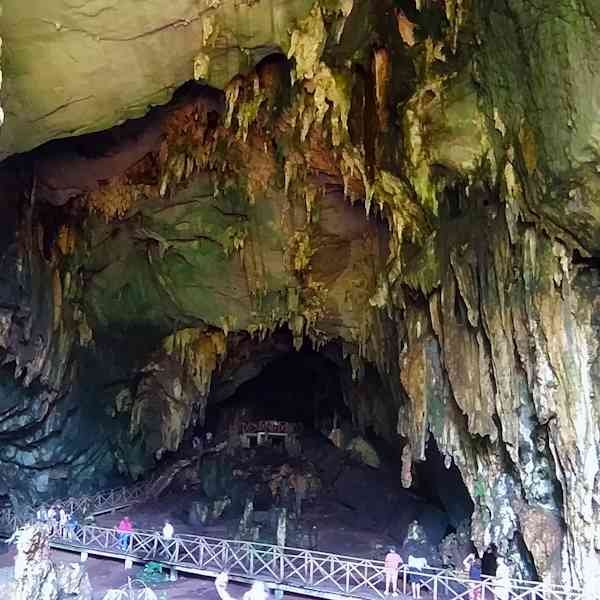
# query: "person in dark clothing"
[489,561]
[314,537]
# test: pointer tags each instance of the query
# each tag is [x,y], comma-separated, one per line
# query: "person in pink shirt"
[391,566]
[125,530]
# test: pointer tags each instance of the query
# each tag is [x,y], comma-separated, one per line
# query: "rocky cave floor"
[358,510]
[108,574]
[336,534]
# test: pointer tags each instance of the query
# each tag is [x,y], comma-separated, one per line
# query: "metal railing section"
[319,573]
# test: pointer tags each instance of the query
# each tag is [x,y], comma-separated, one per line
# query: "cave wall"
[521,389]
[41,339]
[418,181]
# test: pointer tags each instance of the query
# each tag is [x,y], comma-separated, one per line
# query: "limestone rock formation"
[119,52]
[412,187]
[73,581]
[35,575]
[364,452]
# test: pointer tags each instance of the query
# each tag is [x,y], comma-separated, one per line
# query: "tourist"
[125,529]
[475,575]
[63,518]
[72,526]
[416,566]
[42,514]
[502,583]
[468,561]
[391,566]
[257,591]
[168,530]
[168,533]
[314,537]
[52,522]
[488,562]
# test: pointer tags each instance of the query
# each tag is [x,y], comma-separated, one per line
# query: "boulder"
[362,489]
[456,546]
[73,582]
[198,513]
[364,452]
[35,577]
[219,506]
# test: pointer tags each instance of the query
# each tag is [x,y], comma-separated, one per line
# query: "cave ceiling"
[412,187]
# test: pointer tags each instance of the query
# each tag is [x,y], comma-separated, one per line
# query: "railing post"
[347,587]
[435,587]
[176,553]
[281,564]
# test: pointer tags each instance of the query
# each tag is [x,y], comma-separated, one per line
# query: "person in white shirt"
[502,587]
[42,514]
[63,518]
[52,520]
[168,531]
[167,534]
[415,566]
[469,560]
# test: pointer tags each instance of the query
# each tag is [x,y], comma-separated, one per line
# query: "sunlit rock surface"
[417,183]
[36,577]
[129,59]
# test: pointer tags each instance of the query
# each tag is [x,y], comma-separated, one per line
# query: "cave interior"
[372,224]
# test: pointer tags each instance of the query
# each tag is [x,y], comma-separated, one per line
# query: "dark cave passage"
[351,475]
[300,387]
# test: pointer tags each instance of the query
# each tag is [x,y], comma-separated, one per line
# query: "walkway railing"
[298,570]
[95,504]
[294,569]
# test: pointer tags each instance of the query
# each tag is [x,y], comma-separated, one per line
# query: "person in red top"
[125,530]
[391,566]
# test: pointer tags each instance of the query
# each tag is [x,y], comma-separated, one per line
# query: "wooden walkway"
[93,505]
[295,570]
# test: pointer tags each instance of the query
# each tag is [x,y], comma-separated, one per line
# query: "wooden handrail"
[296,568]
[323,573]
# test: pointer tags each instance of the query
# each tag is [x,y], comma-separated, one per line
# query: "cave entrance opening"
[297,394]
[288,436]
